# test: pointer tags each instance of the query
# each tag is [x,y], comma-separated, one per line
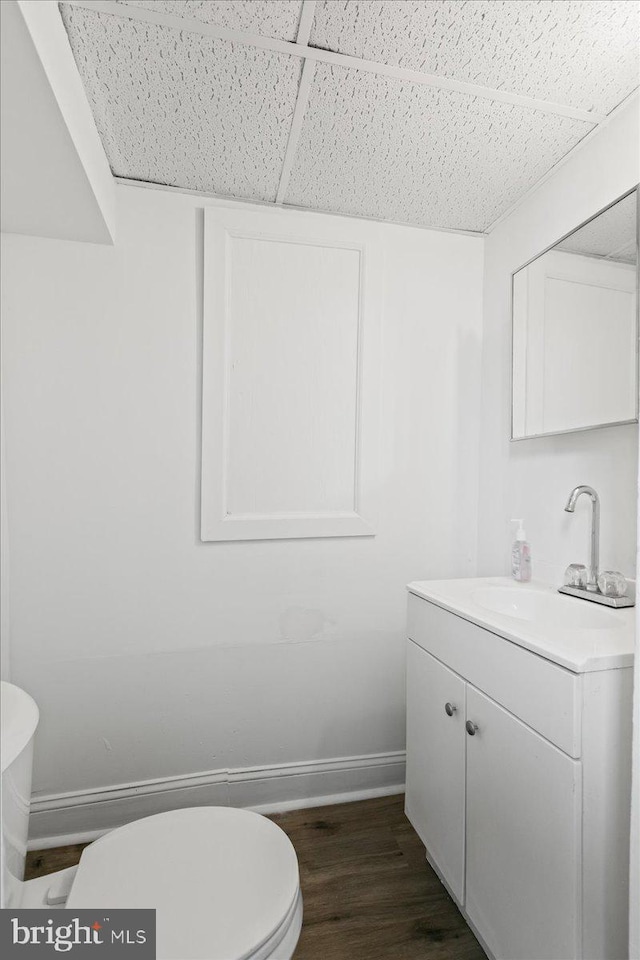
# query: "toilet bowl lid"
[222,881]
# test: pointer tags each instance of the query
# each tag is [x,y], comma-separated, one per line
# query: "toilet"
[224,882]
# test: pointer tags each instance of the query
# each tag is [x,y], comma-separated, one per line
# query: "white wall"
[5,635]
[533,478]
[150,653]
[634,855]
[56,180]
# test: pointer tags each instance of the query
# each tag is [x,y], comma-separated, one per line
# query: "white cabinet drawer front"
[523,838]
[434,798]
[542,694]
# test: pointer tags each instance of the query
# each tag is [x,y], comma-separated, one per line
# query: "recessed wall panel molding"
[290,376]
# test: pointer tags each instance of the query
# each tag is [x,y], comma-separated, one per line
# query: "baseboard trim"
[83,815]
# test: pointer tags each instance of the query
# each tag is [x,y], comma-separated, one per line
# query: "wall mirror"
[575,328]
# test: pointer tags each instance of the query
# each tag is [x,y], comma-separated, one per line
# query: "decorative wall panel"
[290,377]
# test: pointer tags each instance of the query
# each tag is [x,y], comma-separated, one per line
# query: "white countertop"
[606,644]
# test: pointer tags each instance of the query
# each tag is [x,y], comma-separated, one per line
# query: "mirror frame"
[595,426]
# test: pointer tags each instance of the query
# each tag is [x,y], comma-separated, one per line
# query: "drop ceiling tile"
[270,18]
[576,52]
[185,110]
[373,146]
[611,234]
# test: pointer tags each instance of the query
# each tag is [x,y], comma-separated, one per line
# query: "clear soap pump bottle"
[520,555]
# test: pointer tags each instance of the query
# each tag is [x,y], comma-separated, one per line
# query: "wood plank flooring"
[369,893]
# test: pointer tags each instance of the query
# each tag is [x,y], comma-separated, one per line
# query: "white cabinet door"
[523,838]
[434,801]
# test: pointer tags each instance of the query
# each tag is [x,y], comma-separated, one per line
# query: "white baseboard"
[81,816]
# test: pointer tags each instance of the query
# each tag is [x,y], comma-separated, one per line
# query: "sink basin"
[574,633]
[546,609]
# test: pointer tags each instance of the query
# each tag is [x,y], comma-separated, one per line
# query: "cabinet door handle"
[471,728]
[449,709]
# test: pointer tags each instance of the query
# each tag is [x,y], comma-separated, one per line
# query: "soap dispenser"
[520,555]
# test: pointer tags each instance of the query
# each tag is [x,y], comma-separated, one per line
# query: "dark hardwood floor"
[369,893]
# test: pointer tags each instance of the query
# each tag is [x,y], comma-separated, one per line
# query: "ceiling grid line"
[306,21]
[297,49]
[306,79]
[302,100]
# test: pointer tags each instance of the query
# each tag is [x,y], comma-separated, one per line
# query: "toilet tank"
[19,721]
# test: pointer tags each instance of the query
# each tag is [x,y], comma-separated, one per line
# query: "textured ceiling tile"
[373,146]
[185,110]
[612,234]
[270,18]
[583,53]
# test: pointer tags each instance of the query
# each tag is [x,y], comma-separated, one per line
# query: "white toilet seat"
[224,882]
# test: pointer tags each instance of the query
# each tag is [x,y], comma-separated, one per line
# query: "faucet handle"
[612,584]
[575,575]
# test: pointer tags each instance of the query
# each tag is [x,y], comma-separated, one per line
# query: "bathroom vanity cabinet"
[518,780]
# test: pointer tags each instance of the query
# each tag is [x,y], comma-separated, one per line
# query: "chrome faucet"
[592,573]
[591,590]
